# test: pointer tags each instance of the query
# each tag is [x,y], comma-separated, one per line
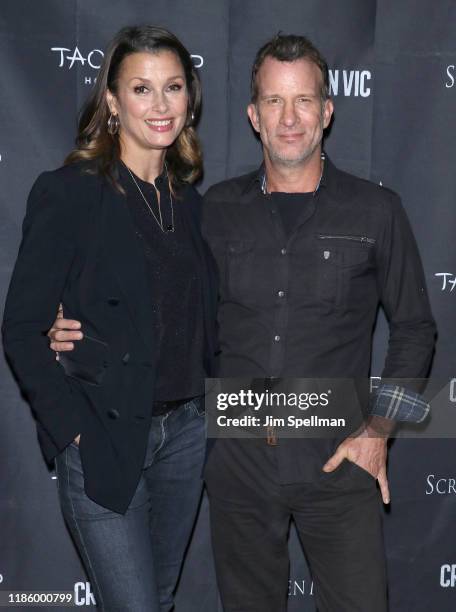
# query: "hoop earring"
[113,124]
[190,121]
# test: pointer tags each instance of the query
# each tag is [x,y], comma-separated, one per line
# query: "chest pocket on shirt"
[344,269]
[239,267]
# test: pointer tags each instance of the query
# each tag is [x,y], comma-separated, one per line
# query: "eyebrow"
[172,78]
[300,95]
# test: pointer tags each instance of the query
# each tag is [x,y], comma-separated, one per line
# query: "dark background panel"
[420,533]
[37,105]
[400,133]
[412,142]
[415,27]
[412,153]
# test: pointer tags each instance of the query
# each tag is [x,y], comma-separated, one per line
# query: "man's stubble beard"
[280,160]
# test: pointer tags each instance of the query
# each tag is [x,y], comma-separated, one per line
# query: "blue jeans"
[133,560]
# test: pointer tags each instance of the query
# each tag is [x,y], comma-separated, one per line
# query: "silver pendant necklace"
[159,221]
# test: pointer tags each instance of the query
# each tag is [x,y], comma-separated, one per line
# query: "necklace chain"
[264,185]
[159,222]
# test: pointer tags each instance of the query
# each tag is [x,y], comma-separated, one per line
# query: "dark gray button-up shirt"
[303,303]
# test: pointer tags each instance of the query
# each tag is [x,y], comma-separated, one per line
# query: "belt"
[271,436]
[261,384]
[159,408]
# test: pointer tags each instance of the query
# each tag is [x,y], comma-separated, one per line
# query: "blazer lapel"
[128,262]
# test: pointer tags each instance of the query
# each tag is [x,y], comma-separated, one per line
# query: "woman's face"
[151,101]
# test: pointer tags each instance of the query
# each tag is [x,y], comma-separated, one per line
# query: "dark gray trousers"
[338,519]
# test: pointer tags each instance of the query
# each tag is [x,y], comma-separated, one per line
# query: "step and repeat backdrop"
[392,73]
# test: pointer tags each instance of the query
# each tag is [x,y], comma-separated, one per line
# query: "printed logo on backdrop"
[83,594]
[453,390]
[440,485]
[353,83]
[448,575]
[447,281]
[68,58]
[300,588]
[449,76]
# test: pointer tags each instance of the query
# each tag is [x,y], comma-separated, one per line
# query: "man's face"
[289,114]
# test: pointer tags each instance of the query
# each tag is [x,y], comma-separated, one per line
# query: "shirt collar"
[257,178]
[254,178]
[162,178]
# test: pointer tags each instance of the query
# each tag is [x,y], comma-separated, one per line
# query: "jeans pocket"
[196,407]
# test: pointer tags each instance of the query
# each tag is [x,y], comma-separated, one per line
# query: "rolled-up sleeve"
[403,295]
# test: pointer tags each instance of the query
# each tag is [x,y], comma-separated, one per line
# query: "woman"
[114,236]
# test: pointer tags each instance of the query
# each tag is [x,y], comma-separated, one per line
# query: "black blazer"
[79,248]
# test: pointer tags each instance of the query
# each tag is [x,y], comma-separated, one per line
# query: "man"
[305,254]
